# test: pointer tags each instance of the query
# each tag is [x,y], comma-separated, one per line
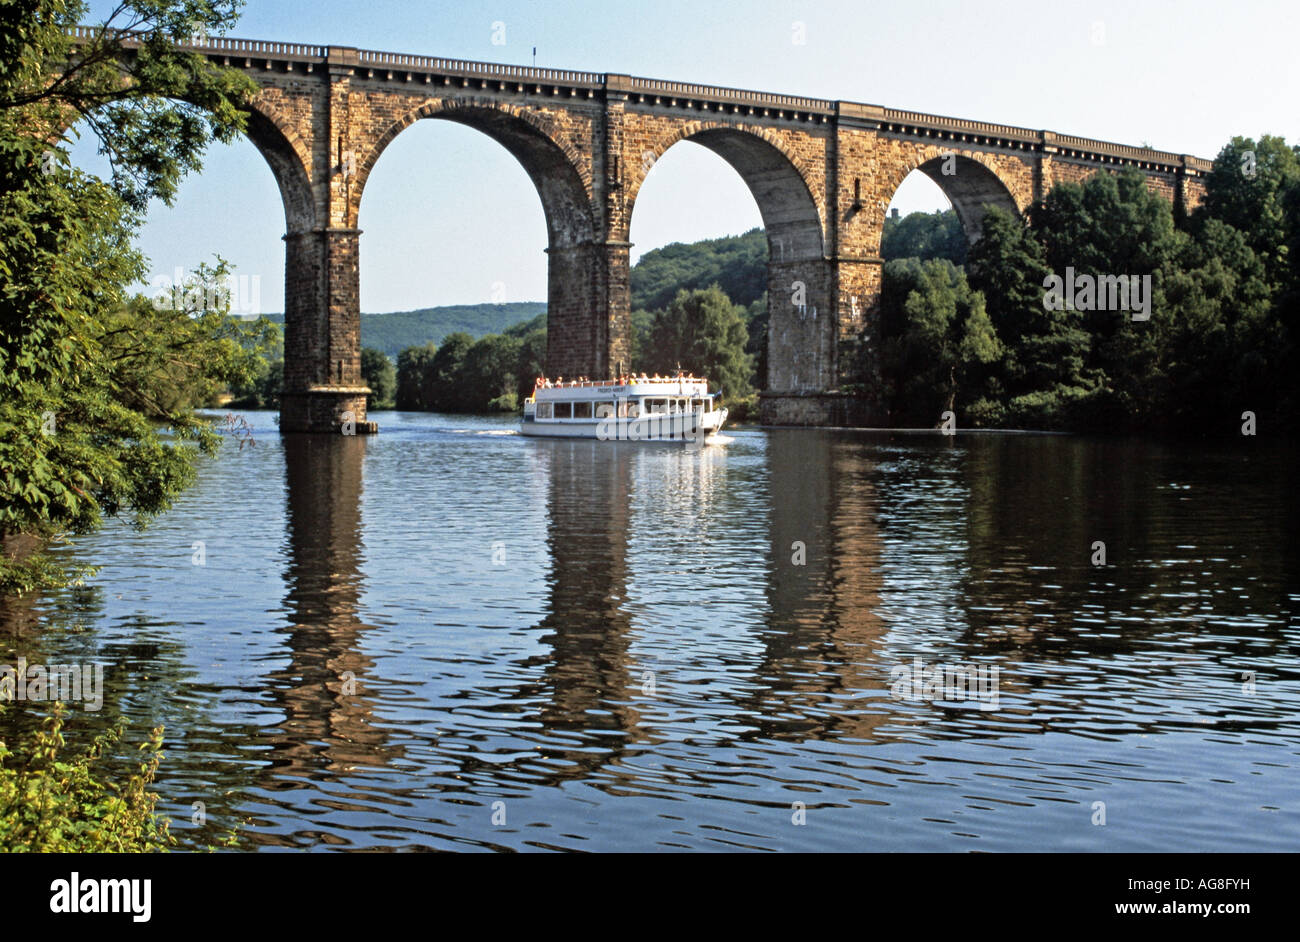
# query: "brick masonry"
[822,173]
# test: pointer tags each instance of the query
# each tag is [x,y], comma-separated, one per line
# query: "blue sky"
[448,214]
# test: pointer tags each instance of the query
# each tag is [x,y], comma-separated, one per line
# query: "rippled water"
[641,647]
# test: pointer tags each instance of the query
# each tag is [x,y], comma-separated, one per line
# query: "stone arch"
[972,182]
[801,322]
[558,171]
[778,183]
[281,148]
[288,157]
[581,335]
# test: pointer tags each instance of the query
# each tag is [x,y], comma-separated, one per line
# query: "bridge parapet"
[662,92]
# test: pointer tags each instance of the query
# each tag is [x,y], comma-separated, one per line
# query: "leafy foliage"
[55,803]
[924,236]
[97,390]
[1220,339]
[940,335]
[415,378]
[153,109]
[378,373]
[703,333]
[737,264]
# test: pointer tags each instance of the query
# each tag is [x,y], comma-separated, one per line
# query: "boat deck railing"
[642,380]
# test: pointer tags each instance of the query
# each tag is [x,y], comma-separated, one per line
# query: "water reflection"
[681,644]
[821,642]
[587,668]
[326,691]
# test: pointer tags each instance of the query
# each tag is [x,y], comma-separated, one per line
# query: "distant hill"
[737,263]
[393,333]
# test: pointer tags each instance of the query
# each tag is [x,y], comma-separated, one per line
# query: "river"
[447,636]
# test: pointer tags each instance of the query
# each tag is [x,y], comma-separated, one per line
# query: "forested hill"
[737,263]
[392,333]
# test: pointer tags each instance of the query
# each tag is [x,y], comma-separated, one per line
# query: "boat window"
[633,409]
[604,410]
[564,410]
[582,410]
[545,410]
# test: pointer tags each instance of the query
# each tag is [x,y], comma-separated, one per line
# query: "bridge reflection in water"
[325,691]
[723,624]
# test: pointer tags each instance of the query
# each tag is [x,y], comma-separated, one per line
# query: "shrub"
[57,804]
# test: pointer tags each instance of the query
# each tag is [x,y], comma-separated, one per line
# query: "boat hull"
[680,428]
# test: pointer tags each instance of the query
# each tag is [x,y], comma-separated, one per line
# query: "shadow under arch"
[284,153]
[801,323]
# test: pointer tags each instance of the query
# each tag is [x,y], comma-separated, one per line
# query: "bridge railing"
[1126,151]
[656,88]
[961,125]
[207,43]
[666,89]
[373,59]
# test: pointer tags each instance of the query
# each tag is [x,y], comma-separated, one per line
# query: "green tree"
[154,111]
[378,373]
[944,337]
[703,333]
[1113,225]
[1226,351]
[415,378]
[1043,371]
[87,425]
[1249,188]
[531,362]
[924,236]
[488,377]
[447,392]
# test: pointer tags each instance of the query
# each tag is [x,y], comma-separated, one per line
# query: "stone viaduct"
[822,173]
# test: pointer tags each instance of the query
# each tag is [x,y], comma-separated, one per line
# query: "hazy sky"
[448,213]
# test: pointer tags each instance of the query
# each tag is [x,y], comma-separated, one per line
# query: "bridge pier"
[323,388]
[588,309]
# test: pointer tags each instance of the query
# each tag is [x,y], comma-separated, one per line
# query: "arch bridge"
[822,173]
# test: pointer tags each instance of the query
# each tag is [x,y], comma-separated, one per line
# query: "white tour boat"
[632,409]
